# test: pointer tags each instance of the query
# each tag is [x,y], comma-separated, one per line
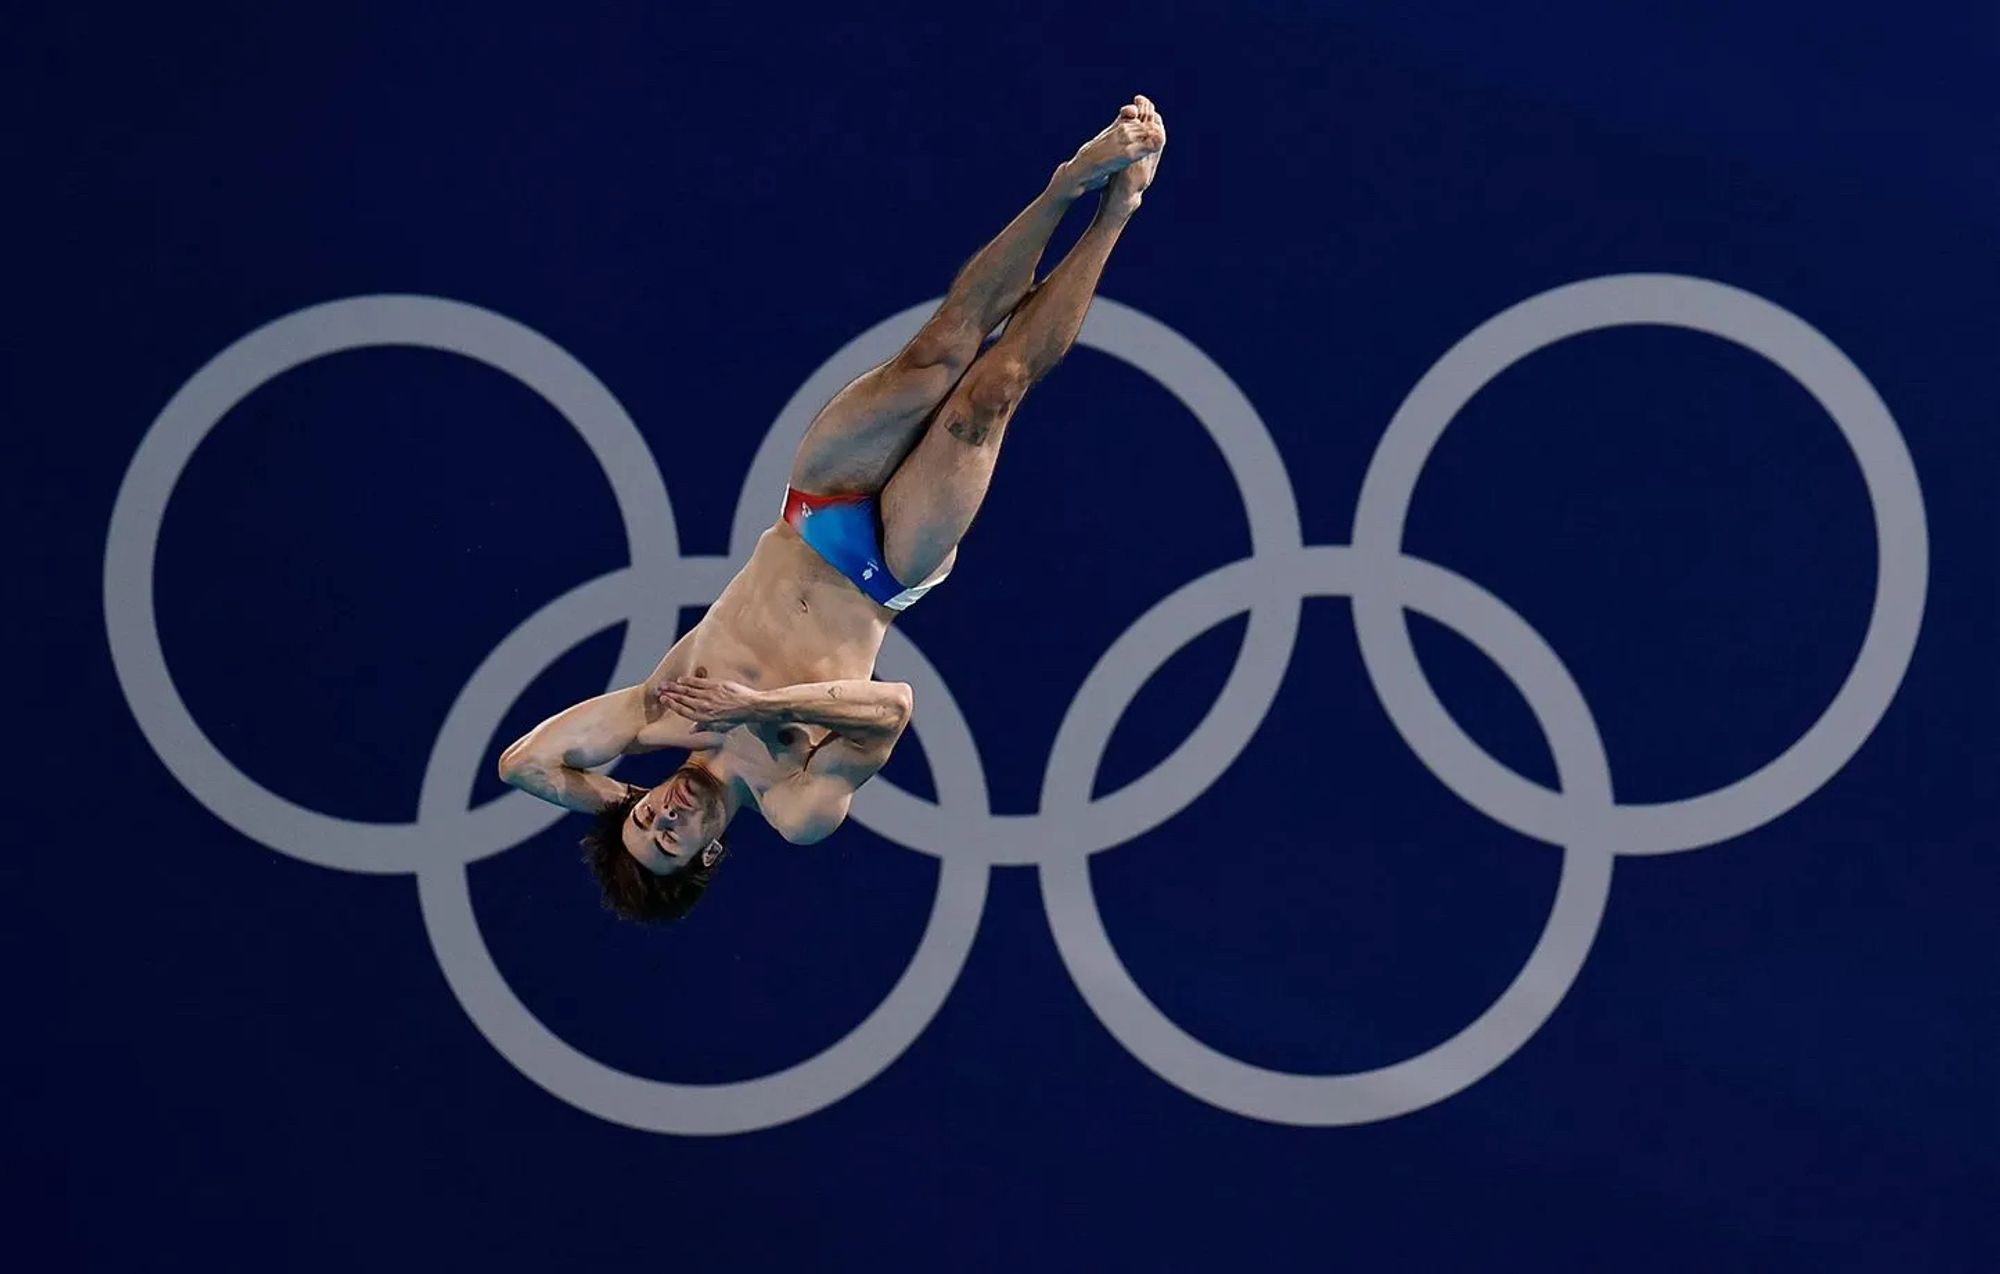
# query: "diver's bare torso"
[787,618]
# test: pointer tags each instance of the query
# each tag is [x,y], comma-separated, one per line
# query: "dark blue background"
[1782,1051]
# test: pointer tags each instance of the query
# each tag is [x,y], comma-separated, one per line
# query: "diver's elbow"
[516,766]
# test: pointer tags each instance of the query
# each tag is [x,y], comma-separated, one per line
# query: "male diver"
[770,694]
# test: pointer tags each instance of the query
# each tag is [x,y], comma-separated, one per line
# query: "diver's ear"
[712,853]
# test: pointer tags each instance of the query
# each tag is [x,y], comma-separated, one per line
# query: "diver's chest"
[769,752]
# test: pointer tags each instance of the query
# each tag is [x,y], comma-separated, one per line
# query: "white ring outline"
[1895,499]
[132,541]
[1479,1048]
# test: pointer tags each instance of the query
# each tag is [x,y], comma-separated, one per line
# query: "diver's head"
[655,852]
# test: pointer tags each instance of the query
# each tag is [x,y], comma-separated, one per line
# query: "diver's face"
[675,821]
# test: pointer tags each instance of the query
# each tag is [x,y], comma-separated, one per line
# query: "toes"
[1128,112]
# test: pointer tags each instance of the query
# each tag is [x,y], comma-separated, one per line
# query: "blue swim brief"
[845,530]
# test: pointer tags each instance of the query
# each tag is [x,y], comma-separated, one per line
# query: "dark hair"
[629,889]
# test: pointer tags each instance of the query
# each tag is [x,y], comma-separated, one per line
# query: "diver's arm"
[857,709]
[573,789]
[554,760]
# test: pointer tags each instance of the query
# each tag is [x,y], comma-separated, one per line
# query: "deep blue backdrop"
[1782,1051]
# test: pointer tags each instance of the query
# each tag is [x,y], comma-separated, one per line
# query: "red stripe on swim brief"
[798,501]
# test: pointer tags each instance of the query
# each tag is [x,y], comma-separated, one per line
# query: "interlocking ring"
[1581,816]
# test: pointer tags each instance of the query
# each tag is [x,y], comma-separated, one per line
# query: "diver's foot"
[1128,185]
[1131,137]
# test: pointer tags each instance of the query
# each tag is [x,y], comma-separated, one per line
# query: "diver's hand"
[713,704]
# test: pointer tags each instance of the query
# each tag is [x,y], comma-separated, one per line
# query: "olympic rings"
[1070,825]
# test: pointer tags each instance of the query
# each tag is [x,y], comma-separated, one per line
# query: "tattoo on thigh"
[972,429]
